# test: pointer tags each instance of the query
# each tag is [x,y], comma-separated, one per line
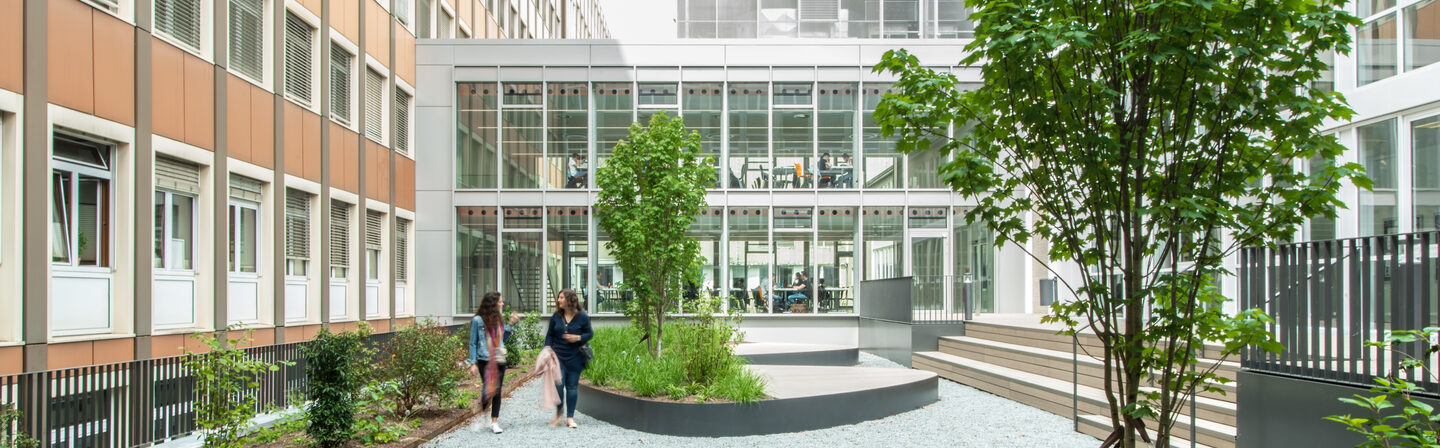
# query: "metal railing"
[942,299]
[139,402]
[1328,298]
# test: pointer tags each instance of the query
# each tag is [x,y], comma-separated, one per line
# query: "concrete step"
[1054,395]
[1098,426]
[1050,339]
[1057,364]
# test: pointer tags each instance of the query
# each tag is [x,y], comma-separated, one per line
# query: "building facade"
[806,183]
[825,19]
[170,167]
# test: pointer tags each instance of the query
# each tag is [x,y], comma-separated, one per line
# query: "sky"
[640,19]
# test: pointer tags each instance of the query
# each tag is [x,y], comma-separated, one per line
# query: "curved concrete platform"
[780,353]
[805,398]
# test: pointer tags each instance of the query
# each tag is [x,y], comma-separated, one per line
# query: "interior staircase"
[1033,365]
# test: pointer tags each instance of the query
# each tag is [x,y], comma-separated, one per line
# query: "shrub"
[622,362]
[528,337]
[221,377]
[9,417]
[333,373]
[1397,417]
[702,343]
[425,362]
[380,423]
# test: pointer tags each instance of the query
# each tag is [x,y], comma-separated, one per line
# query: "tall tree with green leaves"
[651,190]
[1145,141]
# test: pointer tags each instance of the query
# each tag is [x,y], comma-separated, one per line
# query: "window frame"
[75,169]
[385,101]
[1399,12]
[409,112]
[267,47]
[236,208]
[206,30]
[167,263]
[313,103]
[337,40]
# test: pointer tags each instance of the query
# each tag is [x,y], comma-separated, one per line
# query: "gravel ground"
[964,417]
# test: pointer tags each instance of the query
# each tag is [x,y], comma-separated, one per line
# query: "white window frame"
[168,263]
[385,102]
[316,69]
[121,9]
[310,223]
[409,150]
[235,209]
[448,11]
[267,44]
[75,170]
[355,80]
[207,32]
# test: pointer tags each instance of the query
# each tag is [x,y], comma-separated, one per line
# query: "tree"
[651,189]
[1145,141]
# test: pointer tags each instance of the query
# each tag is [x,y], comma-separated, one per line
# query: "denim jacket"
[479,346]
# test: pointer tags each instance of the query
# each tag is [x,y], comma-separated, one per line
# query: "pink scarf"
[548,366]
[492,369]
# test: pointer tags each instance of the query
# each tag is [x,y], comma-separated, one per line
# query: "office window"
[422,18]
[1377,154]
[1425,152]
[244,224]
[1375,50]
[884,164]
[748,258]
[340,61]
[80,203]
[299,59]
[297,233]
[477,135]
[180,20]
[1422,37]
[568,150]
[374,228]
[835,268]
[375,105]
[177,185]
[402,250]
[793,130]
[614,111]
[749,135]
[247,40]
[884,235]
[974,265]
[523,135]
[702,106]
[339,240]
[476,252]
[1320,227]
[835,134]
[402,122]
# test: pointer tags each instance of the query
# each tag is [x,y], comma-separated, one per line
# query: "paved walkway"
[964,417]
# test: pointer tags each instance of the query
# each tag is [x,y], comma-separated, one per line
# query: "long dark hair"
[570,300]
[489,310]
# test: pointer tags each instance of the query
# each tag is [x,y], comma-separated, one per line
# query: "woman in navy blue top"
[569,330]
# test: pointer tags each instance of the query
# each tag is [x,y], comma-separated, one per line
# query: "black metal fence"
[138,402]
[1328,298]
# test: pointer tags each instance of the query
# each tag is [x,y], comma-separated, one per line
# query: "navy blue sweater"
[569,352]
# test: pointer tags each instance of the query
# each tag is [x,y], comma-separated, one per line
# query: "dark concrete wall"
[1278,411]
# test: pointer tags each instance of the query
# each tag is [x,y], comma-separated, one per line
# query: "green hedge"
[696,363]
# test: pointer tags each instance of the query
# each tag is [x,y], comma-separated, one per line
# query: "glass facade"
[1378,156]
[749,136]
[1425,157]
[883,162]
[477,135]
[567,153]
[476,247]
[864,19]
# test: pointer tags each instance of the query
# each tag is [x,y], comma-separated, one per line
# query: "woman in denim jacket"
[487,337]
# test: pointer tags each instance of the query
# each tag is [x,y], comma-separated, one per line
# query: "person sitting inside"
[846,178]
[576,171]
[802,290]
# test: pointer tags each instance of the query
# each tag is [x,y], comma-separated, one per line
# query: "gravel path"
[964,417]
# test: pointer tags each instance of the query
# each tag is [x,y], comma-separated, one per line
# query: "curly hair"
[569,301]
[489,310]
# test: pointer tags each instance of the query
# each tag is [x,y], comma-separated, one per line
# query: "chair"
[800,174]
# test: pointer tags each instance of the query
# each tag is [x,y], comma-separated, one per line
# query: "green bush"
[221,377]
[333,373]
[1397,417]
[528,337]
[9,417]
[425,361]
[379,422]
[698,362]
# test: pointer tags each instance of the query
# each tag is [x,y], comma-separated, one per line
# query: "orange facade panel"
[262,127]
[69,354]
[311,145]
[462,13]
[294,140]
[404,54]
[404,183]
[380,325]
[114,350]
[71,82]
[12,54]
[199,102]
[114,57]
[377,32]
[167,345]
[377,172]
[345,18]
[315,6]
[167,108]
[12,360]
[237,118]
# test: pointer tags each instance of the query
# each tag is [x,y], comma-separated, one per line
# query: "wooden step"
[1051,339]
[1054,395]
[1058,364]
[1098,426]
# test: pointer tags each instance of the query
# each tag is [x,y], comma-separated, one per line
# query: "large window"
[883,162]
[707,230]
[794,238]
[794,135]
[299,59]
[974,265]
[568,152]
[749,135]
[835,268]
[749,258]
[340,81]
[884,236]
[244,225]
[180,20]
[297,233]
[247,40]
[80,203]
[1425,152]
[521,258]
[1375,50]
[614,111]
[835,132]
[476,137]
[1422,36]
[567,252]
[339,241]
[477,250]
[521,142]
[177,184]
[1396,35]
[1319,227]
[702,105]
[654,98]
[1378,156]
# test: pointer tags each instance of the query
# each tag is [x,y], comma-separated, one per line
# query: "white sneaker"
[496,428]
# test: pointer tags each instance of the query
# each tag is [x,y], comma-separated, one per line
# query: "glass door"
[927,261]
